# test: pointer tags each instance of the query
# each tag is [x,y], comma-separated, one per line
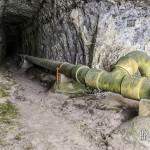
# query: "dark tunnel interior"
[12,33]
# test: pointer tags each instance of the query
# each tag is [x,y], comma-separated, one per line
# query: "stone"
[94,33]
[144,108]
[26,65]
[134,134]
[64,79]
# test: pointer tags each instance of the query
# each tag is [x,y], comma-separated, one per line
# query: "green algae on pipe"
[142,60]
[120,80]
[131,87]
[108,81]
[128,64]
[111,81]
[145,89]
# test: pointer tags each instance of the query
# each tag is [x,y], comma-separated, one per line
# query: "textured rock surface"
[144,108]
[91,32]
[134,134]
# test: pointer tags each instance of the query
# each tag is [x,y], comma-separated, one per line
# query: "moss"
[8,112]
[2,142]
[70,88]
[18,137]
[29,147]
[8,123]
[3,93]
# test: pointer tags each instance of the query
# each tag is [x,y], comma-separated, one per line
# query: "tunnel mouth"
[12,26]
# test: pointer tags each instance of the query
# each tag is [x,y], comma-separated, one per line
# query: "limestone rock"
[91,32]
[134,134]
[94,32]
[144,108]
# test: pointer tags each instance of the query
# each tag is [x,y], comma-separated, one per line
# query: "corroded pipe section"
[120,80]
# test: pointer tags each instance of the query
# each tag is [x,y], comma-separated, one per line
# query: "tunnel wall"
[54,28]
[2,35]
[13,14]
[29,41]
[2,45]
[94,33]
[91,32]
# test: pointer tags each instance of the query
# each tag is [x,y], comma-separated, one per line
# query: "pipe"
[137,59]
[122,79]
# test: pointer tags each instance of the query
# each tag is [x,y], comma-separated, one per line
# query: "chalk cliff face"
[91,32]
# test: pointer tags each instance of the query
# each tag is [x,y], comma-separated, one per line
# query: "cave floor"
[45,120]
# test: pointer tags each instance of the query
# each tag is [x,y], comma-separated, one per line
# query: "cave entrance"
[12,30]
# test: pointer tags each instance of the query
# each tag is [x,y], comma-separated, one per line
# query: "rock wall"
[2,45]
[95,33]
[2,39]
[13,14]
[91,32]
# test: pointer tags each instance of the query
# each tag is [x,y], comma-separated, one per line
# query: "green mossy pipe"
[142,60]
[120,80]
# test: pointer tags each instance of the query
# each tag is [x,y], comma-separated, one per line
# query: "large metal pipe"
[120,80]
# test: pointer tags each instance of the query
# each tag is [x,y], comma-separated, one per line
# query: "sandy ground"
[52,121]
